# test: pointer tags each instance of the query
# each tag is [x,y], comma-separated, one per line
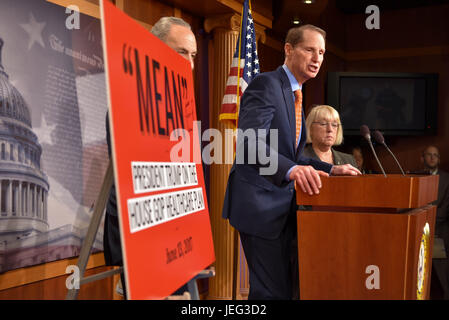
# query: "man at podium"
[261,206]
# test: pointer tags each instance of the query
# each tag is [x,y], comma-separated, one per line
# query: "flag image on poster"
[164,219]
[244,67]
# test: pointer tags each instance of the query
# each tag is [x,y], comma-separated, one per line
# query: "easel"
[100,205]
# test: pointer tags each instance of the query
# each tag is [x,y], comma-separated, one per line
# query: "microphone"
[364,130]
[380,139]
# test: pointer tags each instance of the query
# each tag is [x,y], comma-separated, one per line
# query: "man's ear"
[287,49]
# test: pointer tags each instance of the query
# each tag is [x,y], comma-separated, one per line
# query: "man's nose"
[190,59]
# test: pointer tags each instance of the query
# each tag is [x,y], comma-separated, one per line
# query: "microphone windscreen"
[379,137]
[364,131]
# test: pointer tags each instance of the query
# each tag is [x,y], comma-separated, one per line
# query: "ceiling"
[284,11]
[201,8]
[359,6]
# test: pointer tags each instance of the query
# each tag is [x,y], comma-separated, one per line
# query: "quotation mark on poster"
[72,21]
[127,64]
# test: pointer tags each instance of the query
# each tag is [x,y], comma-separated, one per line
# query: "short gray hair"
[323,112]
[295,35]
[162,27]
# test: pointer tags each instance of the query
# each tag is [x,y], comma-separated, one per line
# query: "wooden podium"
[367,237]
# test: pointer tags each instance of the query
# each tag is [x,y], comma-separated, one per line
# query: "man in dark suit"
[431,161]
[261,204]
[177,34]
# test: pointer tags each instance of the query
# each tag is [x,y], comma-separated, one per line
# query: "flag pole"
[238,67]
[235,270]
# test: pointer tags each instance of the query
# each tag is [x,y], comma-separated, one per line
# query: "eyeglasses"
[323,124]
[428,154]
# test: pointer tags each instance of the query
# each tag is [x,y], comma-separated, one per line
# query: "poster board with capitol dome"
[53,151]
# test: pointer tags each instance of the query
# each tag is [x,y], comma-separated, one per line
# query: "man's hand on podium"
[307,178]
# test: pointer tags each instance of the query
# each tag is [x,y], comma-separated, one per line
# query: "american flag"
[246,54]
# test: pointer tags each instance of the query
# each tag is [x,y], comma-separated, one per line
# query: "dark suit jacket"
[255,204]
[441,266]
[111,236]
[339,157]
[442,219]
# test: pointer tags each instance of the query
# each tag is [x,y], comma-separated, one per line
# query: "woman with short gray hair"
[324,130]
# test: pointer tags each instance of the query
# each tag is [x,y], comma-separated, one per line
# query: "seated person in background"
[324,130]
[358,156]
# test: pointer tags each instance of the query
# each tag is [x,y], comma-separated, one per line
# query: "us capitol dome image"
[26,237]
[23,185]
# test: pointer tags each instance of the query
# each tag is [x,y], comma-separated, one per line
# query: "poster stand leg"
[192,287]
[91,234]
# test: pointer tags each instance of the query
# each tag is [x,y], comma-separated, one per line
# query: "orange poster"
[164,219]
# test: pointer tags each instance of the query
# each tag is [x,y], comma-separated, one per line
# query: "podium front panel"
[360,255]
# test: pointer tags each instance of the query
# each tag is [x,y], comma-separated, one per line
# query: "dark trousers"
[440,271]
[273,264]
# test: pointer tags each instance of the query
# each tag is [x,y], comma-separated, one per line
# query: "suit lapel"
[289,104]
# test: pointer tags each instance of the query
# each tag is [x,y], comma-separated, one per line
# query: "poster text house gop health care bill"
[164,218]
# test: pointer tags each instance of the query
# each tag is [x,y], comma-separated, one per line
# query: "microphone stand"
[375,155]
[397,162]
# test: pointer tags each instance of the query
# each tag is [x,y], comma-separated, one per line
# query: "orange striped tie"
[298,110]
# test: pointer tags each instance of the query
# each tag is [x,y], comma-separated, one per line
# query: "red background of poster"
[148,275]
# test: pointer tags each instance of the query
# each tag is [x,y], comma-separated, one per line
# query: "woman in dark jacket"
[324,131]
